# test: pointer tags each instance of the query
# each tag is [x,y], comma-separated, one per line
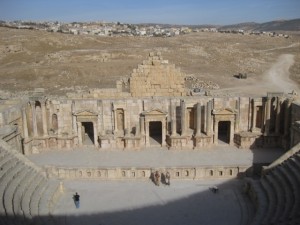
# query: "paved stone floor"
[155,157]
[143,203]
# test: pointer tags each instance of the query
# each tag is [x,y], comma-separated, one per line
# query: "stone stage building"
[151,108]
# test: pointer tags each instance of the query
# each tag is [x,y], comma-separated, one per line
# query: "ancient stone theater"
[152,108]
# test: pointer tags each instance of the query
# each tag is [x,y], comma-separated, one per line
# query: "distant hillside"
[282,25]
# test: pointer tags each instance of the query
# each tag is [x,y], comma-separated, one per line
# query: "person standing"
[76,198]
[168,177]
[157,178]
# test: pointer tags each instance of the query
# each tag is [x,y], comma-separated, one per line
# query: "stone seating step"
[280,196]
[262,202]
[25,203]
[290,172]
[46,201]
[13,168]
[22,191]
[4,162]
[35,198]
[3,154]
[288,191]
[7,174]
[294,187]
[18,193]
[295,164]
[271,199]
[10,189]
[297,156]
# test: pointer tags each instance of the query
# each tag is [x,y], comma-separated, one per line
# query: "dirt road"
[278,74]
[275,79]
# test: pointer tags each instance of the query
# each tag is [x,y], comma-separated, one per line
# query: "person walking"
[76,198]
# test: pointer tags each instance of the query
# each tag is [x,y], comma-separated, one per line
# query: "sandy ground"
[275,79]
[63,63]
[278,74]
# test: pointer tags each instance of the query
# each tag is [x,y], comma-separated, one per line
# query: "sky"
[189,12]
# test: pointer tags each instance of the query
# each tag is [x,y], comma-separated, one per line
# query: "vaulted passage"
[155,133]
[88,133]
[224,132]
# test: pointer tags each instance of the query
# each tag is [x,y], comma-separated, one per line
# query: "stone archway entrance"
[155,133]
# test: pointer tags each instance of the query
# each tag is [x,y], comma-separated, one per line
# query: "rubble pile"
[193,82]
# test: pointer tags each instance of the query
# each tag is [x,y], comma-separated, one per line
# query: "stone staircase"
[27,196]
[276,195]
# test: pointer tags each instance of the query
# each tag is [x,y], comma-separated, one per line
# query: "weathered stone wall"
[208,172]
[155,77]
[159,113]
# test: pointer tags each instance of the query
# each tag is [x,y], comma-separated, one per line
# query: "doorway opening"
[224,132]
[155,133]
[87,133]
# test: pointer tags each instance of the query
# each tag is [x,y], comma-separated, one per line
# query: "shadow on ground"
[228,206]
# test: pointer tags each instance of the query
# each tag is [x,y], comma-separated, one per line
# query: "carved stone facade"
[154,111]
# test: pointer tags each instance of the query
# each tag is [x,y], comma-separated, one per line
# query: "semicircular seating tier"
[276,195]
[27,196]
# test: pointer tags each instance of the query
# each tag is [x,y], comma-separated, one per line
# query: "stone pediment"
[154,112]
[85,113]
[224,111]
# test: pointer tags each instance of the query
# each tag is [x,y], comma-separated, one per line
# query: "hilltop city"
[125,29]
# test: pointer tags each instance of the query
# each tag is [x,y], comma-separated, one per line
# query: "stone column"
[34,125]
[254,115]
[216,131]
[79,133]
[95,134]
[74,124]
[173,118]
[237,116]
[137,129]
[278,108]
[287,116]
[115,119]
[198,125]
[126,131]
[147,133]
[24,120]
[208,119]
[163,138]
[268,116]
[44,118]
[231,137]
[183,118]
[142,125]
